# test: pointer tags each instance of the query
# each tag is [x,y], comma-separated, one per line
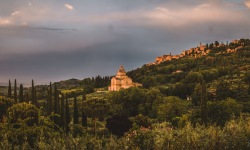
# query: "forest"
[205,105]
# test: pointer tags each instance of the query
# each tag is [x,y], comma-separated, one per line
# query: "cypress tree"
[15,92]
[9,90]
[21,98]
[67,116]
[59,95]
[33,93]
[62,118]
[56,106]
[27,97]
[35,97]
[55,100]
[204,103]
[75,111]
[197,94]
[84,117]
[248,90]
[50,99]
[47,102]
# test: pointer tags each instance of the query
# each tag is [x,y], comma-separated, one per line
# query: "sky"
[54,40]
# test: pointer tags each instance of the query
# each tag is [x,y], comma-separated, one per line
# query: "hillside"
[222,63]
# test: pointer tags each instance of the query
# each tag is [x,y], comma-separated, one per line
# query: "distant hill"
[71,83]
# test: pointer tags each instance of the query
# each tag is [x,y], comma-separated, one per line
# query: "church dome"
[121,71]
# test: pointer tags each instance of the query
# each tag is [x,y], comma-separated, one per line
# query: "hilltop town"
[201,50]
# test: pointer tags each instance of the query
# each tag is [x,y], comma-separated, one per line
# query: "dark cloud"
[53,29]
[101,59]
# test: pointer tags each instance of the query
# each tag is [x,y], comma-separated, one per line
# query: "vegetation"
[206,106]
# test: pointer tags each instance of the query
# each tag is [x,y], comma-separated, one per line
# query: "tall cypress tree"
[21,98]
[204,103]
[248,90]
[62,112]
[75,111]
[27,97]
[55,100]
[84,117]
[197,95]
[59,102]
[67,115]
[33,93]
[35,97]
[55,110]
[50,104]
[15,92]
[47,102]
[9,90]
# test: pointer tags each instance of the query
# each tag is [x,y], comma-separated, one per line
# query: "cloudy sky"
[53,40]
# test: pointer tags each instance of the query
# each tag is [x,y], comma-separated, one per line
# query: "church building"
[121,81]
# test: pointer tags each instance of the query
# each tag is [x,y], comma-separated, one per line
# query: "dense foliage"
[235,135]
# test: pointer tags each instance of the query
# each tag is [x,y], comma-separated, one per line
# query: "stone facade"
[121,81]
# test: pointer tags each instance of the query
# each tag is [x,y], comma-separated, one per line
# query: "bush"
[171,108]
[23,113]
[221,112]
[141,121]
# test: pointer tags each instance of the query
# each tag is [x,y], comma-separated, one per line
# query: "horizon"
[59,40]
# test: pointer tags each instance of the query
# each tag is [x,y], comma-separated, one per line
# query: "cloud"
[247,3]
[161,9]
[160,14]
[101,59]
[38,15]
[202,14]
[167,17]
[16,18]
[15,13]
[4,21]
[68,6]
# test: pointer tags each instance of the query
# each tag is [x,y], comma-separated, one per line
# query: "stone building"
[163,58]
[121,81]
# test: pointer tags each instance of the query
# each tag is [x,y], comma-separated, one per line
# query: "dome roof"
[121,71]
